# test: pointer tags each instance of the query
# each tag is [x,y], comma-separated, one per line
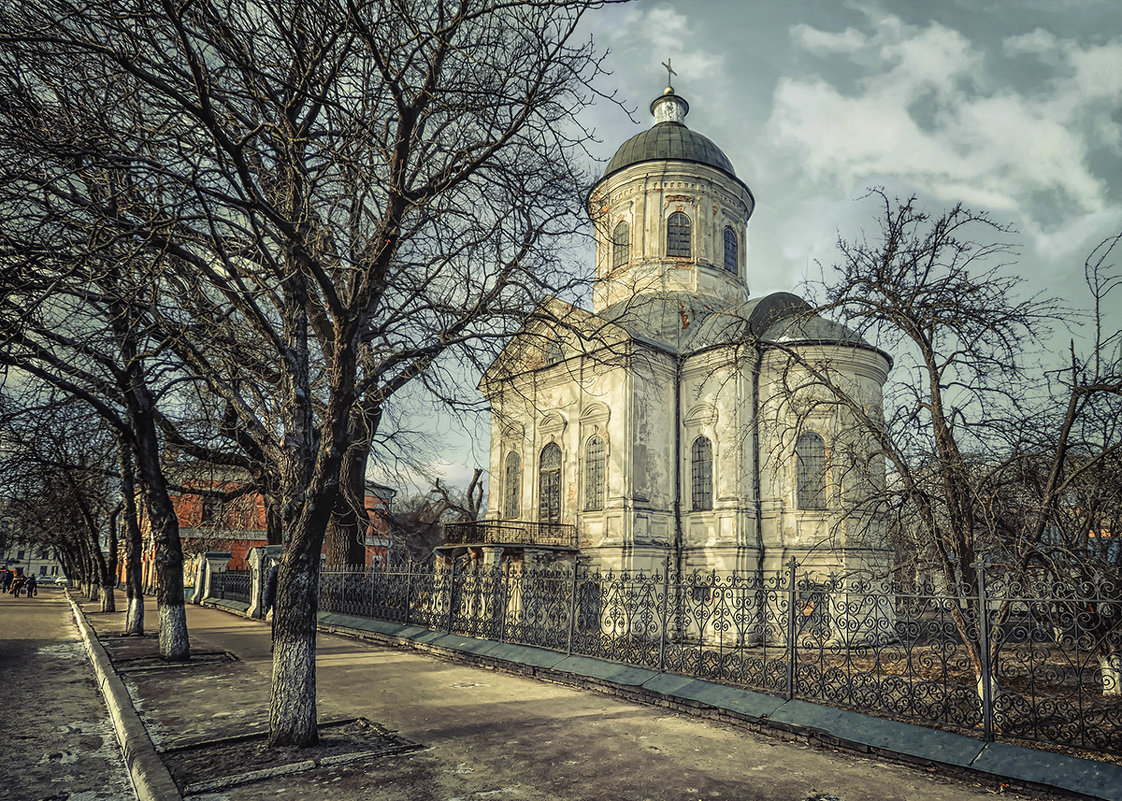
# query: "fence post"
[498,611]
[665,610]
[408,588]
[792,629]
[984,652]
[451,594]
[572,607]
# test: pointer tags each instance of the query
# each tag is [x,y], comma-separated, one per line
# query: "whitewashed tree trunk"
[134,616]
[292,708]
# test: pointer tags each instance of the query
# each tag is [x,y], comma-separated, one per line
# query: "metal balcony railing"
[511,532]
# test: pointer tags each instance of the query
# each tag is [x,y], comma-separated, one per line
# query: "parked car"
[54,581]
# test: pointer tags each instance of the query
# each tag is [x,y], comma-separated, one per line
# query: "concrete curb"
[150,777]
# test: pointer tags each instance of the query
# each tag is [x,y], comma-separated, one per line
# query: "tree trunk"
[292,708]
[134,580]
[346,533]
[109,567]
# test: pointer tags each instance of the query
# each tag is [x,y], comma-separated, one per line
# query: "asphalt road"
[56,740]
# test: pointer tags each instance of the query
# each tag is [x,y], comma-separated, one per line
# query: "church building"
[681,422]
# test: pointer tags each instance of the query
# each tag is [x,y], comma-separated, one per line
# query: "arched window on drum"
[678,234]
[621,244]
[732,250]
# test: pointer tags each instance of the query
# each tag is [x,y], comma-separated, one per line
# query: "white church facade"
[678,423]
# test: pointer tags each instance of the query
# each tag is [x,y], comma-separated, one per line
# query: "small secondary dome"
[669,139]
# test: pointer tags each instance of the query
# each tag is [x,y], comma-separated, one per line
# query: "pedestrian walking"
[5,579]
[17,585]
[32,587]
[270,599]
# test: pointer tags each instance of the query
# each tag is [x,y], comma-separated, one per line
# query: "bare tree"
[59,494]
[336,200]
[985,456]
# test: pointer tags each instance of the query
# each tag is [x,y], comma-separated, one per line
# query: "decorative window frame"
[689,226]
[620,255]
[540,472]
[820,504]
[507,513]
[735,238]
[694,462]
[594,422]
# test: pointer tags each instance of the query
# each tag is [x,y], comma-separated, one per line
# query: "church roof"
[686,323]
[669,141]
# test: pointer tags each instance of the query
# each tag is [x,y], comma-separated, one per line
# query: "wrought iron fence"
[1001,662]
[231,585]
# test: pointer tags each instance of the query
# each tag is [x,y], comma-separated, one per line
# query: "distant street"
[56,740]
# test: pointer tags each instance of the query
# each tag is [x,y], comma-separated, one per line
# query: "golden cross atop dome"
[669,73]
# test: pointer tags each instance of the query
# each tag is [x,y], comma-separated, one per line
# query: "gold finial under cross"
[669,73]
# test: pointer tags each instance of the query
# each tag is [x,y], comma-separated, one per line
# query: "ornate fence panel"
[232,585]
[1046,666]
[1057,662]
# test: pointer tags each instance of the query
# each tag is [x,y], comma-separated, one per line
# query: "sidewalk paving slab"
[605,671]
[1095,779]
[890,735]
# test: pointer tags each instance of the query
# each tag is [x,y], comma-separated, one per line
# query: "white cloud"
[925,110]
[850,40]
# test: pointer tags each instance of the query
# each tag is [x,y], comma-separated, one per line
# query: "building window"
[553,353]
[810,458]
[211,511]
[42,570]
[549,485]
[512,485]
[701,473]
[621,245]
[19,556]
[594,462]
[678,235]
[731,250]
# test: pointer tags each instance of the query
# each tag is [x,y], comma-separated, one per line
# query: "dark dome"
[669,140]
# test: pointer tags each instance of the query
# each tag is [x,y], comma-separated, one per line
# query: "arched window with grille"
[810,458]
[595,458]
[549,485]
[701,474]
[621,244]
[678,235]
[732,250]
[512,486]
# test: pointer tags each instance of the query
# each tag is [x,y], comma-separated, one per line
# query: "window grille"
[549,485]
[621,245]
[512,486]
[810,458]
[594,453]
[678,235]
[701,473]
[731,250]
[553,353]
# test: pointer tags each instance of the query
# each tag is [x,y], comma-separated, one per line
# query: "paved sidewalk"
[491,735]
[56,741]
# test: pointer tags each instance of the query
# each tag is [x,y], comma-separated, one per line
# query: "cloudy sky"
[1011,106]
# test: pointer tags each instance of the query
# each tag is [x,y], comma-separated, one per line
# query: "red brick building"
[208,523]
